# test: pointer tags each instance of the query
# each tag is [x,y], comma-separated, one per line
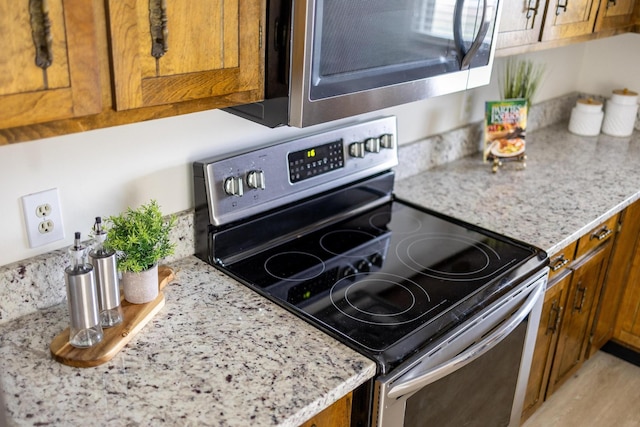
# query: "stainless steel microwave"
[330,59]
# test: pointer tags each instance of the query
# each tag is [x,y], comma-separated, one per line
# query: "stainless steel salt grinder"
[82,298]
[105,269]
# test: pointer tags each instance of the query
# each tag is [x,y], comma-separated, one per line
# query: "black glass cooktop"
[389,280]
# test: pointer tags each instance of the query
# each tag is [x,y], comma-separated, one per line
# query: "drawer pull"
[601,234]
[559,262]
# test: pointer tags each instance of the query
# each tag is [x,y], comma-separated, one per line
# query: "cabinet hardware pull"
[553,325]
[559,262]
[158,28]
[583,291]
[562,6]
[601,234]
[41,32]
[612,3]
[532,8]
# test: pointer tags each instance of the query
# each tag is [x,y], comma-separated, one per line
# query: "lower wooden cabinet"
[336,415]
[547,337]
[576,294]
[573,341]
[627,325]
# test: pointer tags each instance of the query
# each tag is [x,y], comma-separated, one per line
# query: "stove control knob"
[348,271]
[233,186]
[356,149]
[363,266]
[387,140]
[372,145]
[255,179]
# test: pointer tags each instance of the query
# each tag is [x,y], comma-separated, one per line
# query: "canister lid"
[589,105]
[624,97]
[625,92]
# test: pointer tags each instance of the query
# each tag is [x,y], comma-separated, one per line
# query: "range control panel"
[249,183]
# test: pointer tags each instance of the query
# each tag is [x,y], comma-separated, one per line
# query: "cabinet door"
[167,51]
[617,14]
[554,302]
[48,63]
[617,274]
[520,23]
[627,326]
[586,283]
[569,18]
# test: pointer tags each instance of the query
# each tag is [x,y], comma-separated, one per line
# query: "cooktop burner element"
[380,299]
[294,266]
[463,258]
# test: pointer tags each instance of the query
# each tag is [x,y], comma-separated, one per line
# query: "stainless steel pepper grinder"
[84,329]
[106,273]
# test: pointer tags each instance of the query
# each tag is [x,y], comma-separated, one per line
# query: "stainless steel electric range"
[448,310]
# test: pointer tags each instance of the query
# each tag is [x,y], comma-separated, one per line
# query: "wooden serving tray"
[135,316]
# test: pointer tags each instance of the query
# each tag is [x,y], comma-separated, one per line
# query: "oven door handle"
[469,355]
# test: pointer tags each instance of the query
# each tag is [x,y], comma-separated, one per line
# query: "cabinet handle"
[612,3]
[582,291]
[532,9]
[562,6]
[559,262]
[41,32]
[601,234]
[158,27]
[552,326]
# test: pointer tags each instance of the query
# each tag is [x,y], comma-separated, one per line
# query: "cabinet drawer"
[561,259]
[604,231]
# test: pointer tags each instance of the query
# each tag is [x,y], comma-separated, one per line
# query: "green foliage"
[140,237]
[521,79]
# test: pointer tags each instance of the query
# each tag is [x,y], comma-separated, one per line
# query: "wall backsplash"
[37,283]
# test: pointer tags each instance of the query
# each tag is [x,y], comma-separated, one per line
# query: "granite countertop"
[216,354]
[220,354]
[571,183]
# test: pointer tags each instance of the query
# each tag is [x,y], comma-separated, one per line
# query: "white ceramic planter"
[140,288]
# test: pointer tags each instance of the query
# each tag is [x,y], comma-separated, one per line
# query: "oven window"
[480,394]
[363,44]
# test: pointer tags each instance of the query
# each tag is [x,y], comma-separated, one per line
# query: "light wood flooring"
[605,392]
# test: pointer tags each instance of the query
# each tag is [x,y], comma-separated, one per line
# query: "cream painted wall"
[102,172]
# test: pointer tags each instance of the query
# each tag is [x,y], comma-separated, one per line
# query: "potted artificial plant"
[140,239]
[521,80]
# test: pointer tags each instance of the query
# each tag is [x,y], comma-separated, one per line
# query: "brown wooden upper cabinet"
[526,22]
[179,50]
[48,62]
[521,23]
[615,14]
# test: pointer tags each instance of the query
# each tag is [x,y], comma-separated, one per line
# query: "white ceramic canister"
[620,113]
[586,117]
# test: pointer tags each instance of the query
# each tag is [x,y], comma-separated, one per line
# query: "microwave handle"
[469,355]
[467,55]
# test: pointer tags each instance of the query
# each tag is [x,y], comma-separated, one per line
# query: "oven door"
[476,376]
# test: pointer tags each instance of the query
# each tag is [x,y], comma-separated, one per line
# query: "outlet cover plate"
[43,207]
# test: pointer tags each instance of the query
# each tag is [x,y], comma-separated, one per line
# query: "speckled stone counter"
[216,354]
[570,184]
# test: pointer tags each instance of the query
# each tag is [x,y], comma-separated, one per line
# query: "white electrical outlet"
[43,217]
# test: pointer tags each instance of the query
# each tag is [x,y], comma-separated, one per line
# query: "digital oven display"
[315,161]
